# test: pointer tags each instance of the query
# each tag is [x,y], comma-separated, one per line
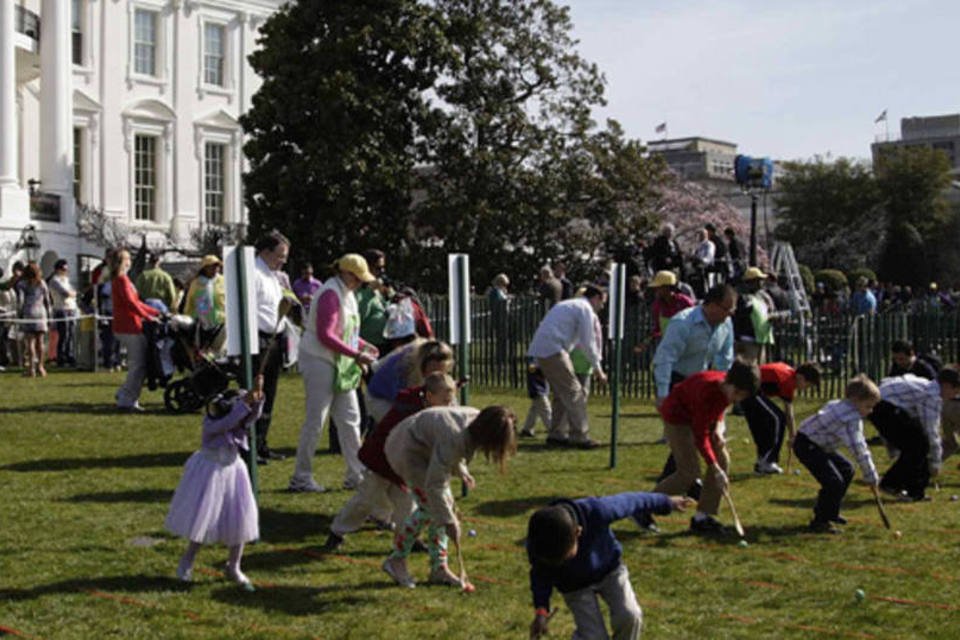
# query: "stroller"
[193,351]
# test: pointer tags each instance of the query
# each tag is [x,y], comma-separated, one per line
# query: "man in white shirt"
[569,324]
[272,252]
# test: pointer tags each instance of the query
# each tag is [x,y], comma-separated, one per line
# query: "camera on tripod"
[753,173]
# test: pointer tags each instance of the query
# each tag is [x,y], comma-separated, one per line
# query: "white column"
[13,200]
[56,105]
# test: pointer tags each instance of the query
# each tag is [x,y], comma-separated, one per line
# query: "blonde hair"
[438,382]
[862,388]
[493,431]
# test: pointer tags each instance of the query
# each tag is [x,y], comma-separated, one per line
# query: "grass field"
[83,554]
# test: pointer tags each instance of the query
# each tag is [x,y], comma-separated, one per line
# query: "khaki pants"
[687,457]
[378,497]
[626,618]
[569,418]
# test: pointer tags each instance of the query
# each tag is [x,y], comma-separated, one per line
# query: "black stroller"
[192,352]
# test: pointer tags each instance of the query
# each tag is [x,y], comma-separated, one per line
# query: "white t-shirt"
[269,293]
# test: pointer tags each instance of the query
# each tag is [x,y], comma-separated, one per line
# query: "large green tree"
[333,129]
[831,212]
[430,127]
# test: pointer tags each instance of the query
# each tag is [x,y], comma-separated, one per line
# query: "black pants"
[832,471]
[767,424]
[270,349]
[902,431]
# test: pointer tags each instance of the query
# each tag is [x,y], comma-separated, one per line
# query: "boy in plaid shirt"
[908,418]
[839,422]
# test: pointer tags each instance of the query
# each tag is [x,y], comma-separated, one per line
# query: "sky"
[789,79]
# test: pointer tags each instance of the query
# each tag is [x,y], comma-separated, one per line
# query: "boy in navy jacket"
[571,547]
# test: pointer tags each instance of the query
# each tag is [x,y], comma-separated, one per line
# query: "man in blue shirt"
[863,302]
[697,339]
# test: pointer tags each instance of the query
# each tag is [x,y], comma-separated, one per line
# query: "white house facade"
[129,107]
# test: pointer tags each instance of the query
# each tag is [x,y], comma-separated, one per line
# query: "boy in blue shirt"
[571,547]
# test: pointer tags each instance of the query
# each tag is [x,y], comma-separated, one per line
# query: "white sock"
[700,515]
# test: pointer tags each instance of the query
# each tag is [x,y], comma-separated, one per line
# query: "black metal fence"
[843,345]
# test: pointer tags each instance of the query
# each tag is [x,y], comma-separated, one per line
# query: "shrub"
[833,279]
[855,274]
[807,276]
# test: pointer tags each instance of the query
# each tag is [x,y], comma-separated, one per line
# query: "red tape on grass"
[9,631]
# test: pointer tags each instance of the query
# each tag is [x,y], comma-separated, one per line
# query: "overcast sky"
[784,78]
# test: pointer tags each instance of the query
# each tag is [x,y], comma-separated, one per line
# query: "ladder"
[784,263]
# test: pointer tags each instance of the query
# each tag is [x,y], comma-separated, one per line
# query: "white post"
[56,105]
[14,203]
[8,97]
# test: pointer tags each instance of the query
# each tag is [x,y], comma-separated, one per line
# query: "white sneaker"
[767,468]
[401,577]
[310,486]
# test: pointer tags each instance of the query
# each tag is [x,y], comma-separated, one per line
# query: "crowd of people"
[374,372]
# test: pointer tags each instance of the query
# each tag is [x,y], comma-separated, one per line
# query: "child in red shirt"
[768,423]
[691,414]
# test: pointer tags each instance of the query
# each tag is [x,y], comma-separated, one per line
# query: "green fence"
[843,345]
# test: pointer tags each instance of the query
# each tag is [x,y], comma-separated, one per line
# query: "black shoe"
[646,523]
[273,455]
[585,444]
[333,543]
[419,546]
[558,442]
[875,441]
[817,526]
[261,461]
[695,489]
[527,434]
[839,520]
[706,525]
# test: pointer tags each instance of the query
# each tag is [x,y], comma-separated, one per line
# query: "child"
[383,490]
[820,435]
[425,450]
[908,419]
[214,501]
[571,547]
[539,392]
[767,422]
[691,415]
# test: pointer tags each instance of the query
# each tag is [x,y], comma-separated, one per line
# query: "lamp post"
[29,242]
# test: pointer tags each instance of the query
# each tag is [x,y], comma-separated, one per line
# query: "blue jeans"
[66,327]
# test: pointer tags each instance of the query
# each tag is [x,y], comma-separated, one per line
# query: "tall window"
[214,51]
[76,19]
[214,180]
[145,177]
[77,162]
[145,42]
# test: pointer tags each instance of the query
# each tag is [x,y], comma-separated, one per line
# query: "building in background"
[936,132]
[130,107]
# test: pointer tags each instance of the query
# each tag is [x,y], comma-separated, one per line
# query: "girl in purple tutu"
[214,501]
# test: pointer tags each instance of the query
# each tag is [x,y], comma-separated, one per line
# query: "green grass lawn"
[83,554]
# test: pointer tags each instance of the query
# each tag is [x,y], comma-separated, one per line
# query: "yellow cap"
[754,273]
[663,279]
[355,264]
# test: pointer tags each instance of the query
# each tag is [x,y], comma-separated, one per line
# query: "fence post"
[618,276]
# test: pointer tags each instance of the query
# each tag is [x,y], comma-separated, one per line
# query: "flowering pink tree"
[691,205]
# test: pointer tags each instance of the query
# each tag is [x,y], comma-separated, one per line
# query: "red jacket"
[408,402]
[698,402]
[128,311]
[779,380]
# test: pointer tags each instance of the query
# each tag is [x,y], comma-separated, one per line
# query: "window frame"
[229,22]
[153,188]
[222,177]
[162,48]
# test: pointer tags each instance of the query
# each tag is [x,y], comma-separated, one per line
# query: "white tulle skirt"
[214,501]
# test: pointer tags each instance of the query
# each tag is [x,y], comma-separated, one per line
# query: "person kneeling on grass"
[571,547]
[839,422]
[425,450]
[692,415]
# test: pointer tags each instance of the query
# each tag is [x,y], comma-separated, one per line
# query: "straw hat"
[209,261]
[663,279]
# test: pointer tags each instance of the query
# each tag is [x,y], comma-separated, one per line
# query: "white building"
[128,106]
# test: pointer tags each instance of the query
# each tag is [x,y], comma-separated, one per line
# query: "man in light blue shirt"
[697,339]
[863,302]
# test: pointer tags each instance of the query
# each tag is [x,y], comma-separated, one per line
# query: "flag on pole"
[882,117]
[662,127]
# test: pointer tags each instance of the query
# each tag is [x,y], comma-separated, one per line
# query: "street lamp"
[29,242]
[753,175]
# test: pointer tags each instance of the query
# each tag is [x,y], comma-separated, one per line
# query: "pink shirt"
[328,317]
[665,310]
